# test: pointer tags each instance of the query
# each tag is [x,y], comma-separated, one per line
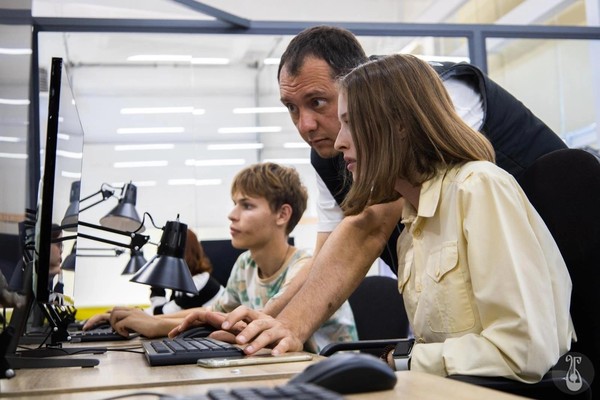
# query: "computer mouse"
[348,373]
[197,332]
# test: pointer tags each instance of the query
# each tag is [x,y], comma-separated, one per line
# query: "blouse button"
[417,232]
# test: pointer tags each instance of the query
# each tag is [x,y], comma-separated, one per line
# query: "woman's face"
[344,141]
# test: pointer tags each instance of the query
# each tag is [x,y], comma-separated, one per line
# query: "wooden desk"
[126,370]
[411,385]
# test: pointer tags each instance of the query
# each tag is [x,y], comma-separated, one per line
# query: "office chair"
[379,315]
[564,187]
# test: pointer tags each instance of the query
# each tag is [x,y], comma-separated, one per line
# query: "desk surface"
[121,368]
[124,373]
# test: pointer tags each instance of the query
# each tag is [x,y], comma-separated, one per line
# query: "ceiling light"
[15,102]
[194,182]
[13,155]
[67,174]
[199,111]
[160,57]
[271,61]
[209,61]
[133,147]
[250,129]
[10,139]
[215,163]
[15,52]
[140,164]
[63,136]
[235,146]
[68,154]
[165,129]
[453,59]
[296,145]
[288,160]
[259,110]
[157,110]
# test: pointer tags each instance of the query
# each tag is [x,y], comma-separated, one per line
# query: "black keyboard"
[98,335]
[187,350]
[303,391]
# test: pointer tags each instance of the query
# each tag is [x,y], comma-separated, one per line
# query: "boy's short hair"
[278,184]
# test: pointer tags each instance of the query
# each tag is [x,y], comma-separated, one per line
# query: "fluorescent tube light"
[140,164]
[133,147]
[259,110]
[157,110]
[160,57]
[13,155]
[67,174]
[215,163]
[15,52]
[164,129]
[10,139]
[15,102]
[296,145]
[69,154]
[235,146]
[63,136]
[209,61]
[271,61]
[250,129]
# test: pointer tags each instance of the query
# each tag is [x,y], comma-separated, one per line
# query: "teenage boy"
[269,200]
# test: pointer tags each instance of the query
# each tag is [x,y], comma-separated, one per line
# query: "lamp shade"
[135,263]
[124,216]
[68,263]
[168,269]
[72,214]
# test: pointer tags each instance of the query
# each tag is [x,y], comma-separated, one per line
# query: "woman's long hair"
[403,126]
[195,257]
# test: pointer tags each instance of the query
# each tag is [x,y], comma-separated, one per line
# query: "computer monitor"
[53,198]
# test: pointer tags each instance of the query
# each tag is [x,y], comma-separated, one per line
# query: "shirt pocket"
[446,289]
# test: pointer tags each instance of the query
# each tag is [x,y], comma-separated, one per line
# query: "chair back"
[564,187]
[378,309]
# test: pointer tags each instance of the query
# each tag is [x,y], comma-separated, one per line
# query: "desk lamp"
[168,269]
[123,217]
[136,262]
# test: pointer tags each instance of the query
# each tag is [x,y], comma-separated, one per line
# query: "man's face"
[311,98]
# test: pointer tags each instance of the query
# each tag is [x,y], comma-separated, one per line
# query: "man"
[347,247]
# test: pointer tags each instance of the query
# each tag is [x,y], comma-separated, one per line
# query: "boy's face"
[253,223]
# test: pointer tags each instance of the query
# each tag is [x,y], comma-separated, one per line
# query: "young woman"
[485,287]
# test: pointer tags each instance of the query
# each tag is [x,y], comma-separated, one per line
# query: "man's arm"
[337,270]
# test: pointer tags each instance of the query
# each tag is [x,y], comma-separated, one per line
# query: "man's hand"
[202,317]
[261,331]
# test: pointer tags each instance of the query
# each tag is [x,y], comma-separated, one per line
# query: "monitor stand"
[36,359]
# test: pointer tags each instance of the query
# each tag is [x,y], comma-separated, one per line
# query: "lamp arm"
[137,240]
[106,194]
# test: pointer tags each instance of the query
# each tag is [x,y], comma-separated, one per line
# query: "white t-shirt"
[468,104]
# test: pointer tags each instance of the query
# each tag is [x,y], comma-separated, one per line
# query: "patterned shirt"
[245,287]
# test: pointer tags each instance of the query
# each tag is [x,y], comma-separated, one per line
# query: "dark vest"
[518,137]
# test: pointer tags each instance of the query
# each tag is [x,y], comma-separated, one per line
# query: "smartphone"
[251,360]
